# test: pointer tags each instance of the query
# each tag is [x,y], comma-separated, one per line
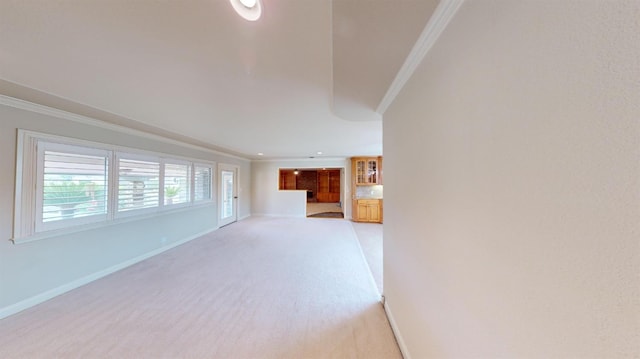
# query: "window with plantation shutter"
[202,183]
[177,183]
[138,184]
[64,185]
[74,185]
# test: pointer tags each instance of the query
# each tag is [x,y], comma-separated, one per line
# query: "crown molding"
[54,112]
[444,12]
[302,159]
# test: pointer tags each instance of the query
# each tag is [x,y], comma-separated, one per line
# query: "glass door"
[372,171]
[228,194]
[361,177]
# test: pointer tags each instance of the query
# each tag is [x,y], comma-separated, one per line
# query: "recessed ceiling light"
[319,152]
[248,9]
[249,3]
[260,154]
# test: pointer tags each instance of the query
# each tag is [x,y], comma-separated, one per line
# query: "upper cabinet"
[367,170]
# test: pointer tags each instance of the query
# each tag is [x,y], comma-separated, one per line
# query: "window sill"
[118,221]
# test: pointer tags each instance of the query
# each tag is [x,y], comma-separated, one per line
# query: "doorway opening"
[323,188]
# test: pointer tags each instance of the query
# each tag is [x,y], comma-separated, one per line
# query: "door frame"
[236,174]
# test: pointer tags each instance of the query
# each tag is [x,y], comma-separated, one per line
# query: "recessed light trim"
[249,3]
[250,10]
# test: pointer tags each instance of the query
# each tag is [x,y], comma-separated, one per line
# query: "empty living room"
[320,179]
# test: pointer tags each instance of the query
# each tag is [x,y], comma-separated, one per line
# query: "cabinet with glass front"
[367,170]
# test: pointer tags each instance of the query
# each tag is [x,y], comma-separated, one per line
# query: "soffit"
[198,70]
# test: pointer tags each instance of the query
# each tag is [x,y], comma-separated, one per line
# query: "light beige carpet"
[317,207]
[370,237]
[259,288]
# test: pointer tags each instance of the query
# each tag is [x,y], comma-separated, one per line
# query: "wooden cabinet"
[368,210]
[287,179]
[329,186]
[367,170]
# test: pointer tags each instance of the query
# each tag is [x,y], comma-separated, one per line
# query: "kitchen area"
[366,180]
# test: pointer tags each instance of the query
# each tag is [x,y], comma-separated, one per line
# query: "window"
[138,184]
[64,183]
[202,185]
[73,186]
[177,183]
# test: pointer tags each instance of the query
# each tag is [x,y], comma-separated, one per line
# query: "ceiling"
[308,76]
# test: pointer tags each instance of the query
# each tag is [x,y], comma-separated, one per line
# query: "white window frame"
[191,181]
[29,192]
[40,225]
[211,182]
[139,211]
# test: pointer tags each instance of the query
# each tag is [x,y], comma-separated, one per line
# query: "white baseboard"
[42,297]
[394,327]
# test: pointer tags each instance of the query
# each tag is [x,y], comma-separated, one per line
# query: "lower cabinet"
[367,210]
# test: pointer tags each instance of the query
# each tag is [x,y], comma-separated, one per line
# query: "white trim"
[138,152]
[444,12]
[396,332]
[25,198]
[315,159]
[42,297]
[212,174]
[50,111]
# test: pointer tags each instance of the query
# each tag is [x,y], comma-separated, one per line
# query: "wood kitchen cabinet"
[367,170]
[368,210]
[287,179]
[366,200]
[329,186]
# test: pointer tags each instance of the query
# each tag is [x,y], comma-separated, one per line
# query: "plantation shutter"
[138,184]
[202,183]
[177,183]
[74,183]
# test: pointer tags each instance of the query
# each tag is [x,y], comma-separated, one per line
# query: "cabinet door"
[362,212]
[368,210]
[323,186]
[287,179]
[366,171]
[361,171]
[373,212]
[372,171]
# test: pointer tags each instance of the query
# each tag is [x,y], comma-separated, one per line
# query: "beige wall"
[512,185]
[268,200]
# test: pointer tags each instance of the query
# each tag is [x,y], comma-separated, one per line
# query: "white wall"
[268,200]
[30,269]
[512,185]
